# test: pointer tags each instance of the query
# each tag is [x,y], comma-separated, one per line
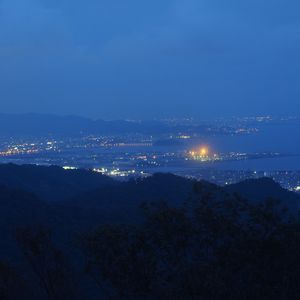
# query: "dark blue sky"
[146,59]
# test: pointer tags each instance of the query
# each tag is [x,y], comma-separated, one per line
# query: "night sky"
[149,59]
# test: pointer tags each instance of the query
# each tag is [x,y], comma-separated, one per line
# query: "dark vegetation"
[51,183]
[163,237]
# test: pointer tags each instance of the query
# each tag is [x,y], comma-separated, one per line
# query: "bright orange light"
[204,151]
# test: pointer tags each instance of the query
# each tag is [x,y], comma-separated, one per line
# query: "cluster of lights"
[114,172]
[27,148]
[69,168]
[130,145]
[16,151]
[203,154]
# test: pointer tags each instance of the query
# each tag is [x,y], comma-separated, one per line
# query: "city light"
[92,151]
[69,168]
[204,151]
[203,154]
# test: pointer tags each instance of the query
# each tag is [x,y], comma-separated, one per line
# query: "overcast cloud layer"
[146,59]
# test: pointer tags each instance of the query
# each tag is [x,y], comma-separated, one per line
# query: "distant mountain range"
[33,124]
[43,124]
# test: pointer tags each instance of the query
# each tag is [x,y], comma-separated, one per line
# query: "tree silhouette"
[47,262]
[214,248]
[12,286]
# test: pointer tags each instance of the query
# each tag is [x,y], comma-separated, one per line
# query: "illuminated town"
[181,152]
[204,154]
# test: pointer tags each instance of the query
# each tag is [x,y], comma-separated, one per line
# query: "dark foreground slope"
[162,237]
[123,203]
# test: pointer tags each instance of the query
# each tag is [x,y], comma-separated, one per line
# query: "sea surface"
[284,139]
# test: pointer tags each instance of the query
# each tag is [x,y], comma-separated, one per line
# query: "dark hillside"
[51,183]
[258,190]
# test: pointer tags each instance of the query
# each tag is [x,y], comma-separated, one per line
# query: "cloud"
[111,30]
[210,28]
[28,28]
[83,51]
